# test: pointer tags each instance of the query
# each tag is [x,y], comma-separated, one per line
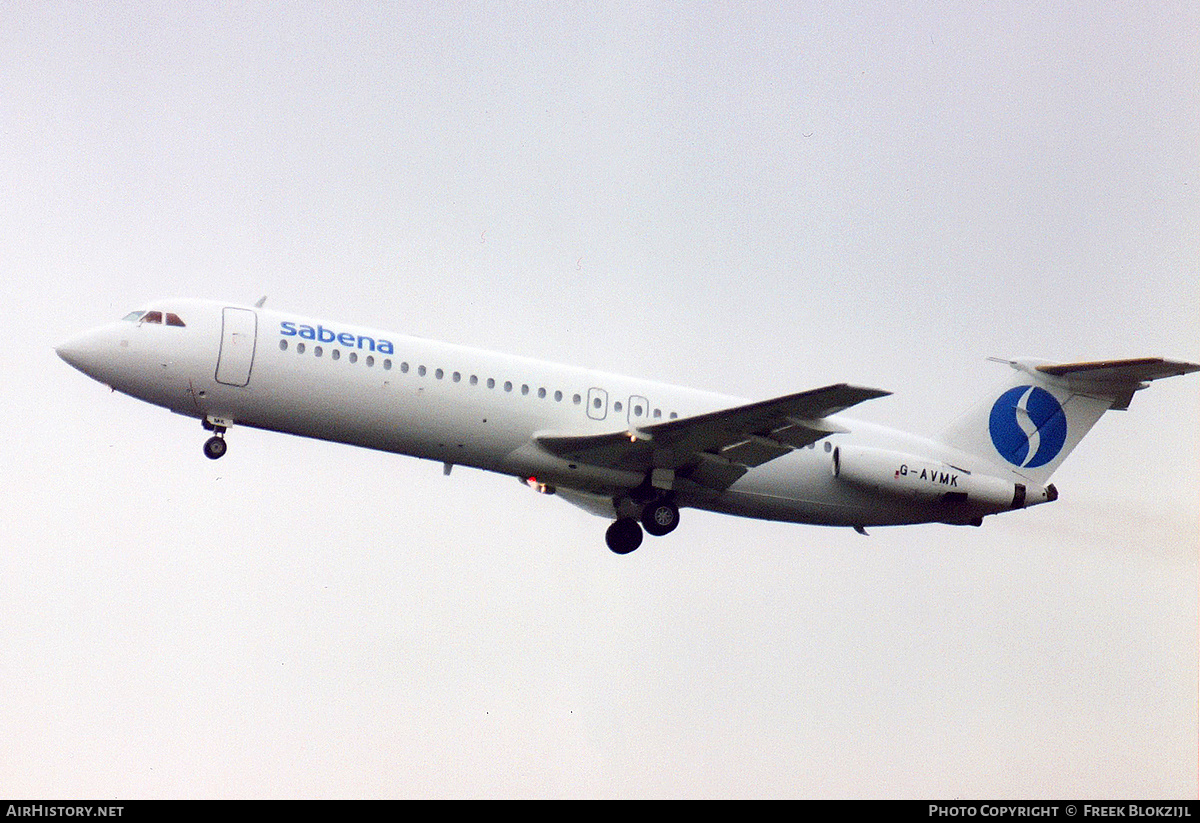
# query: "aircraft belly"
[376,415]
[528,460]
[814,512]
[800,488]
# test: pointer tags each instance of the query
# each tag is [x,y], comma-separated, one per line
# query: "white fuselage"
[461,406]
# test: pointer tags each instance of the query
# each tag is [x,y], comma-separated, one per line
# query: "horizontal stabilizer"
[1116,379]
[1121,371]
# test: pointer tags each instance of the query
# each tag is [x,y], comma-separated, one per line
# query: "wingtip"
[873,392]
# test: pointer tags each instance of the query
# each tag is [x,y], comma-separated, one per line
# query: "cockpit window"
[169,318]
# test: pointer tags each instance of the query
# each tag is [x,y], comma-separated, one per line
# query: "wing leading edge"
[717,448]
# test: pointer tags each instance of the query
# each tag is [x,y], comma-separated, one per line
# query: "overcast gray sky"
[739,197]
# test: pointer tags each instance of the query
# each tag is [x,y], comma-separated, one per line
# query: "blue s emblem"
[1028,426]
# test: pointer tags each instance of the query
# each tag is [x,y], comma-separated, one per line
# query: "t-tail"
[1031,424]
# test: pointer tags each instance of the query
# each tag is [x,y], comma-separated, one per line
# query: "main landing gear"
[659,517]
[624,535]
[215,446]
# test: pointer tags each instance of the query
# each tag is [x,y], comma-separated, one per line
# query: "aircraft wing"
[717,448]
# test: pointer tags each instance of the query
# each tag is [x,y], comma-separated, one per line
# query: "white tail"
[1032,423]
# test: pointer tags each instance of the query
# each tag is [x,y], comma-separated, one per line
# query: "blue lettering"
[290,328]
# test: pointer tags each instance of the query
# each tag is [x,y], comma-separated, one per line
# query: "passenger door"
[239,330]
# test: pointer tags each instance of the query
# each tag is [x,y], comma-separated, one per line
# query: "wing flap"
[715,472]
[716,448]
[753,451]
[801,433]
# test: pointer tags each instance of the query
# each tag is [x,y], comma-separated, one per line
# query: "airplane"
[630,450]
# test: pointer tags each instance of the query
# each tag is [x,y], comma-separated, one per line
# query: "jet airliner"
[630,450]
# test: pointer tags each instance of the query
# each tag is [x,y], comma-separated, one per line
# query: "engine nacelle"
[919,478]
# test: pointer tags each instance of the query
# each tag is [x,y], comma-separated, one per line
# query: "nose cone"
[71,351]
[87,352]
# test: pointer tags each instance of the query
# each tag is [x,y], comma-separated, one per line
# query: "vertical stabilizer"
[1032,423]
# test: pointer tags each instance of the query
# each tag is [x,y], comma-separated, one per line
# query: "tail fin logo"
[1028,426]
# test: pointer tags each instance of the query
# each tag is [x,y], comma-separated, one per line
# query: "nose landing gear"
[215,446]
